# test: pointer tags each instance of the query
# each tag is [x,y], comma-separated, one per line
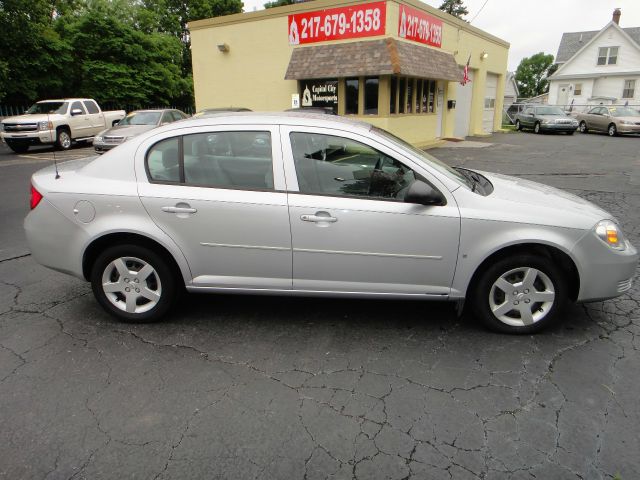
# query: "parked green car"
[546,118]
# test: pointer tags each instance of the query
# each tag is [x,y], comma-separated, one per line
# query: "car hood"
[128,130]
[554,117]
[518,200]
[30,118]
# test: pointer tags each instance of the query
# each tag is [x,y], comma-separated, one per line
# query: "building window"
[629,89]
[351,106]
[403,94]
[607,55]
[371,96]
[577,90]
[394,95]
[432,96]
[424,97]
[410,83]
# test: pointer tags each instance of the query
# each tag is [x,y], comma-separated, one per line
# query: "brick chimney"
[616,16]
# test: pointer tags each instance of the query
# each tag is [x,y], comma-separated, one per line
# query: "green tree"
[532,74]
[454,7]
[278,3]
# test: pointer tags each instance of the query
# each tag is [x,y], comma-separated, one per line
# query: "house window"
[577,90]
[351,107]
[629,89]
[607,55]
[371,96]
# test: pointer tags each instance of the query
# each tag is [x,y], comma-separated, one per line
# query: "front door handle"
[179,210]
[318,218]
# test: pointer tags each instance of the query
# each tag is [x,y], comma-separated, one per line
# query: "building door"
[563,95]
[439,109]
[489,111]
[464,96]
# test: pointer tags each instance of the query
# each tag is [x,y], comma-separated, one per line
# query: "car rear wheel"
[521,294]
[133,283]
[612,130]
[518,126]
[63,139]
[536,128]
[17,147]
[583,127]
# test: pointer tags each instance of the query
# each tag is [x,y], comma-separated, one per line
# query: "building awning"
[373,57]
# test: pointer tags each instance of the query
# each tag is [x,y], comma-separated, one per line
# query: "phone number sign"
[418,26]
[365,20]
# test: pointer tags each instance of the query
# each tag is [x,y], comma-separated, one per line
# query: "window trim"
[632,90]
[418,86]
[607,57]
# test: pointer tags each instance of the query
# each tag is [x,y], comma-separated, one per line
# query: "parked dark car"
[546,118]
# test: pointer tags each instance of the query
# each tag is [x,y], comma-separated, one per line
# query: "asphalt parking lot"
[283,388]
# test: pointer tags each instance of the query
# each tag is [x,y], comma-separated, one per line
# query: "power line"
[474,17]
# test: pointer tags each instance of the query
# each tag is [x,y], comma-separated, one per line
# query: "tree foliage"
[278,3]
[454,7]
[532,73]
[129,52]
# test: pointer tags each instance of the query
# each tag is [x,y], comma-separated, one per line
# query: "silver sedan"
[298,204]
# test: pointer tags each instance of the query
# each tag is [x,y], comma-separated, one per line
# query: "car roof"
[278,118]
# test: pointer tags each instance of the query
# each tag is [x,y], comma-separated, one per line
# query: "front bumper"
[629,129]
[103,147]
[604,272]
[552,127]
[32,138]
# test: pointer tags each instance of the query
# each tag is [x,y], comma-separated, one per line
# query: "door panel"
[232,237]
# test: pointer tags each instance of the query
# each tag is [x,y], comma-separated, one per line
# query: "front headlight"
[611,234]
[45,125]
[626,122]
[1,127]
[547,122]
[97,139]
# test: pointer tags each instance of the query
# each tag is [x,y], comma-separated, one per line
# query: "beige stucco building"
[397,64]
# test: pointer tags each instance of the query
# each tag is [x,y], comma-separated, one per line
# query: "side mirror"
[76,111]
[423,194]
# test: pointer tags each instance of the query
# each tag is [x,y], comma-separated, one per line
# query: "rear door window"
[91,106]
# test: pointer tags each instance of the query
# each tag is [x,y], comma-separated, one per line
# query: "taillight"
[35,198]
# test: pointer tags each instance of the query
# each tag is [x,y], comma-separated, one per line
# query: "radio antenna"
[55,161]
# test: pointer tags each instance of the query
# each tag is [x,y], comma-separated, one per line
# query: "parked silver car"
[133,124]
[301,204]
[545,118]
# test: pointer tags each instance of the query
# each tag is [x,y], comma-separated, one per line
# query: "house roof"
[573,41]
[373,57]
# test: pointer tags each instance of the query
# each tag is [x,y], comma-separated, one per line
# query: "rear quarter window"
[163,161]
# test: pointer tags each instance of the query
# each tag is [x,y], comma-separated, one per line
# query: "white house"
[510,90]
[598,67]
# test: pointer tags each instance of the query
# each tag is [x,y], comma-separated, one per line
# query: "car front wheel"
[63,139]
[536,127]
[518,126]
[612,130]
[133,283]
[583,127]
[521,294]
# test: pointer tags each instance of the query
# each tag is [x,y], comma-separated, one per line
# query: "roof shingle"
[573,41]
[374,57]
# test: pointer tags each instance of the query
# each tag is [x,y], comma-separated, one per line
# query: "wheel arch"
[561,258]
[97,245]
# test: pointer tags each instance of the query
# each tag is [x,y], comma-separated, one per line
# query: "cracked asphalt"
[285,388]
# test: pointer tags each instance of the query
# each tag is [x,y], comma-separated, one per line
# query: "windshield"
[48,107]
[624,112]
[141,118]
[426,158]
[549,111]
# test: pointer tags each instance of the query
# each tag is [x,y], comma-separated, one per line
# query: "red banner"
[365,20]
[418,26]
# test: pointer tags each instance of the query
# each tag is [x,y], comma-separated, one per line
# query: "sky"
[533,26]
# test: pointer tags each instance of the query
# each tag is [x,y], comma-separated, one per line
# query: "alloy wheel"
[131,285]
[612,130]
[64,140]
[583,127]
[522,296]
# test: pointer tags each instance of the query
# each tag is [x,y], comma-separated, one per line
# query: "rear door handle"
[318,218]
[179,210]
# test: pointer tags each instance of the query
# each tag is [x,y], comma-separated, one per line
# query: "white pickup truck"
[60,122]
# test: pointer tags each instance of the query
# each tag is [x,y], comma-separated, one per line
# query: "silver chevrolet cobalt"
[301,204]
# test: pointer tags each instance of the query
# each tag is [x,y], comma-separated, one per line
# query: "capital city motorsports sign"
[319,93]
[418,26]
[364,20]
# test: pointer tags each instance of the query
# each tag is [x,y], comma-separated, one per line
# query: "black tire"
[485,292]
[612,130]
[17,147]
[518,125]
[162,281]
[536,128]
[63,139]
[583,127]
